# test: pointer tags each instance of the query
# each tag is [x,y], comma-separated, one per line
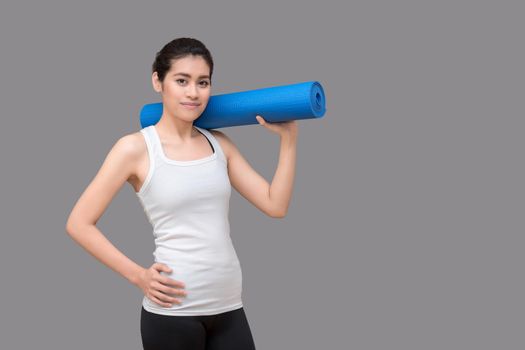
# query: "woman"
[182,175]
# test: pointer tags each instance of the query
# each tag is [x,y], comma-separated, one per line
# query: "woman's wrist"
[289,138]
[137,273]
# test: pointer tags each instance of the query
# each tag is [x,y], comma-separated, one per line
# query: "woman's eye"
[205,82]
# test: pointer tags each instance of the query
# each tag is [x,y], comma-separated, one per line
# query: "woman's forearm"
[92,240]
[282,182]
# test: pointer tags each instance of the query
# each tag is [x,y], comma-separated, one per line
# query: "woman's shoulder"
[225,142]
[131,146]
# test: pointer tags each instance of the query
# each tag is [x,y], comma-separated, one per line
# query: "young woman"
[182,175]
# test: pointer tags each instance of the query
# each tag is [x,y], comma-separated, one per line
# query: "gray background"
[405,230]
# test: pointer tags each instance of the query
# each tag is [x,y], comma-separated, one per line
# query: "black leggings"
[225,331]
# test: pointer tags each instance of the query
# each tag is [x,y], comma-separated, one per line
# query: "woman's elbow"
[73,225]
[278,214]
[70,227]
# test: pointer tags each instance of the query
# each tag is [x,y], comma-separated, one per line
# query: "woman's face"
[187,81]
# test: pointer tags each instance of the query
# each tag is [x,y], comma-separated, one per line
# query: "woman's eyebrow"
[189,76]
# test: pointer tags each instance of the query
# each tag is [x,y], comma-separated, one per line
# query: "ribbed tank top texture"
[187,204]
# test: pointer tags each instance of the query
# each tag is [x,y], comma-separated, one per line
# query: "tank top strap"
[151,142]
[214,142]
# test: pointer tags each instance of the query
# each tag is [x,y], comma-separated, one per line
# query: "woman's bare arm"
[81,224]
[272,199]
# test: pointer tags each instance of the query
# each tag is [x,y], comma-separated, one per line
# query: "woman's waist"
[199,252]
[205,276]
[201,262]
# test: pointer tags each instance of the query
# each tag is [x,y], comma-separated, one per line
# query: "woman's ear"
[157,86]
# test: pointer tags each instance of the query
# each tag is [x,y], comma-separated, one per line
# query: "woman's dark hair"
[179,48]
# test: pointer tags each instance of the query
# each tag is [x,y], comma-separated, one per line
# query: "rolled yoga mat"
[274,104]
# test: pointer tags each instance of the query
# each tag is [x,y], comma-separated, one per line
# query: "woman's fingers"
[170,282]
[281,128]
[157,301]
[168,290]
[163,299]
[162,294]
[159,288]
[263,122]
[267,125]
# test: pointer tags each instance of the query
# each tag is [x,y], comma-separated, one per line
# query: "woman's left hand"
[287,128]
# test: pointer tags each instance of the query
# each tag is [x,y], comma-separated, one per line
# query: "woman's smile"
[190,106]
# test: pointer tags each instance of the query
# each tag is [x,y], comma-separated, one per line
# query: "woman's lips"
[189,106]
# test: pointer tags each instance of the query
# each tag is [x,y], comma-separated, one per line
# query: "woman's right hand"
[157,287]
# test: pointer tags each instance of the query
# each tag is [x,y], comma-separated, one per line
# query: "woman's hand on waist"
[158,287]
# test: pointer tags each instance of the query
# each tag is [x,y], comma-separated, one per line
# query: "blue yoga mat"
[274,104]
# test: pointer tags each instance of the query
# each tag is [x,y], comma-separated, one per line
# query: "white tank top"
[187,204]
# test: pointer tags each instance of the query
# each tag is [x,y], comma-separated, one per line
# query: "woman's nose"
[191,91]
